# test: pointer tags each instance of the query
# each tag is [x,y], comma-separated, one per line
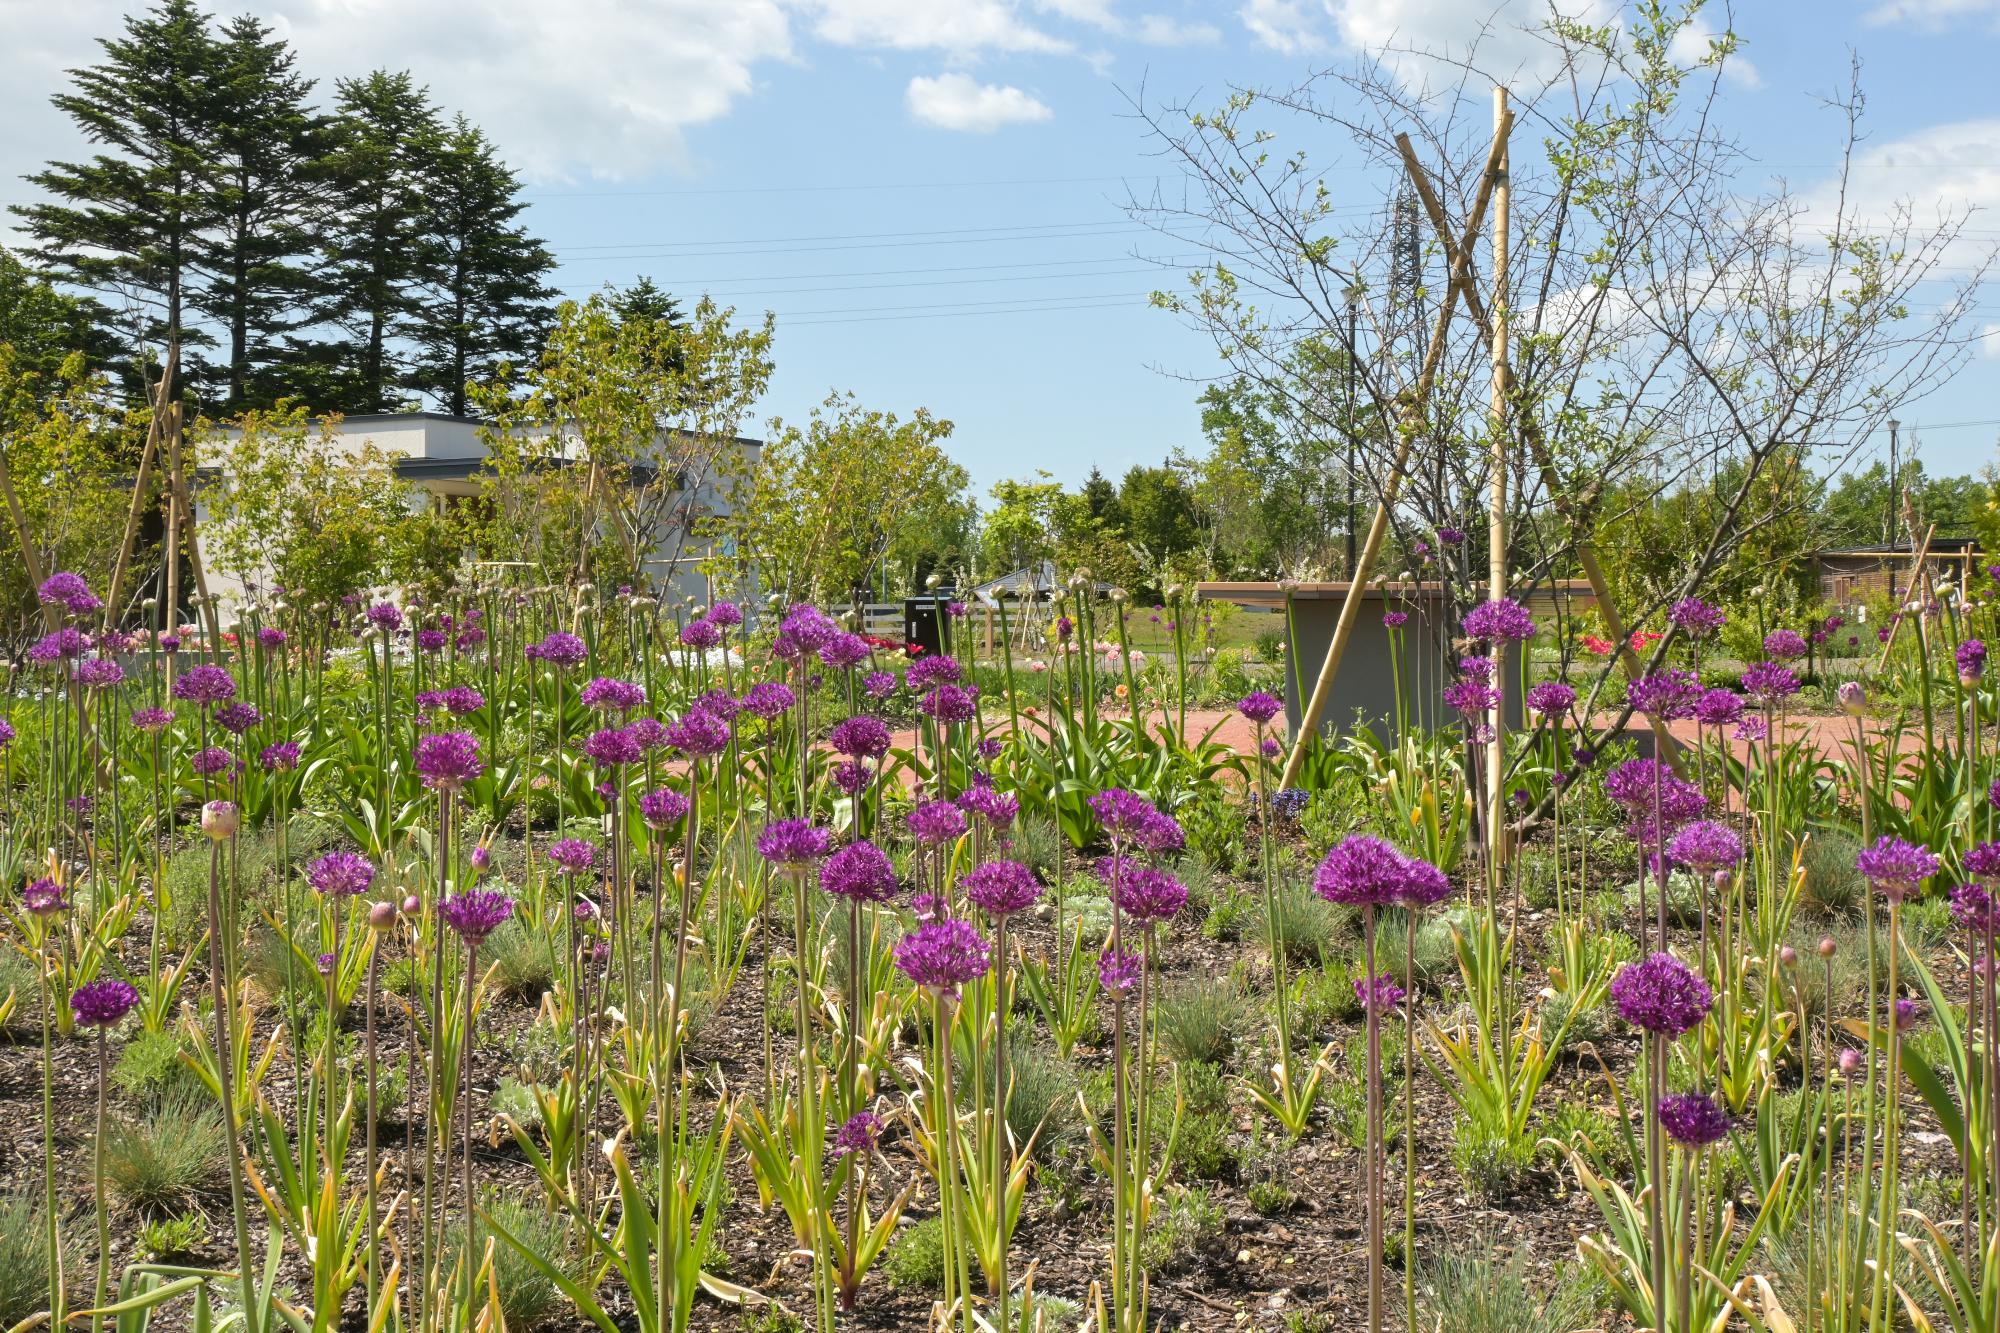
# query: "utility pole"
[1353,350]
[1895,488]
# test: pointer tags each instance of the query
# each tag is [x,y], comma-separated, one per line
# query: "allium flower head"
[793,842]
[1001,888]
[1785,644]
[1550,698]
[1661,994]
[270,637]
[858,1133]
[951,704]
[1706,846]
[726,614]
[99,673]
[663,808]
[1668,695]
[943,955]
[1424,885]
[1119,972]
[878,684]
[1972,907]
[1472,697]
[613,746]
[461,700]
[1982,862]
[699,734]
[1159,834]
[1361,870]
[65,645]
[238,717]
[385,617]
[1894,868]
[341,874]
[769,700]
[860,737]
[1769,683]
[1124,814]
[1501,621]
[1971,661]
[1697,619]
[1260,707]
[998,808]
[211,761]
[205,685]
[448,760]
[1145,893]
[700,634]
[573,856]
[860,872]
[561,649]
[1693,1120]
[805,629]
[102,1003]
[607,695]
[852,777]
[43,897]
[937,822]
[431,640]
[928,672]
[843,651]
[1718,708]
[476,913]
[1395,619]
[7,728]
[70,592]
[1379,994]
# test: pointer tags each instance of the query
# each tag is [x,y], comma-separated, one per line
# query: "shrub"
[523,961]
[1231,913]
[1469,1289]
[1493,1165]
[24,1256]
[1307,925]
[1043,1100]
[915,1259]
[170,1237]
[1037,843]
[167,1157]
[1184,1223]
[1214,832]
[1198,1020]
[1832,886]
[150,1066]
[529,1298]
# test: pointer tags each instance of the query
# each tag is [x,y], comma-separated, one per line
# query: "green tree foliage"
[829,500]
[44,326]
[1019,528]
[483,299]
[1857,506]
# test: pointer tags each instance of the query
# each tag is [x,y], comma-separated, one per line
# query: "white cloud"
[1932,15]
[1160,30]
[1989,343]
[565,90]
[1288,26]
[962,27]
[1939,174]
[959,102]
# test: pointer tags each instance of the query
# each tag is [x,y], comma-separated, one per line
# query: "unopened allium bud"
[1788,957]
[1853,699]
[1850,1061]
[1827,947]
[220,820]
[382,916]
[412,905]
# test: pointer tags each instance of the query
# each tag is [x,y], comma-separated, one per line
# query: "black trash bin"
[927,622]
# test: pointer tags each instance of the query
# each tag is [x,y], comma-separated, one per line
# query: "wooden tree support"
[1412,417]
[162,396]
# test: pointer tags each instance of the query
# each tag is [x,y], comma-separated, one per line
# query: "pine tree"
[485,300]
[40,327]
[648,301]
[267,141]
[385,132]
[127,223]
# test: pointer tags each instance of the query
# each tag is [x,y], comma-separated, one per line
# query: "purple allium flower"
[699,734]
[878,684]
[650,733]
[481,858]
[930,907]
[663,808]
[1768,683]
[607,695]
[1706,846]
[858,1133]
[1668,695]
[843,651]
[1550,698]
[926,672]
[1752,728]
[432,640]
[1424,885]
[44,897]
[1145,893]
[101,1003]
[1661,994]
[1260,707]
[612,746]
[852,777]
[237,718]
[988,748]
[1395,619]
[769,700]
[1697,619]
[460,700]
[943,955]
[281,757]
[726,614]
[99,673]
[341,874]
[1474,698]
[573,856]
[1270,748]
[1124,814]
[270,637]
[323,963]
[1451,536]
[1972,907]
[70,592]
[1379,993]
[1066,627]
[1361,870]
[859,872]
[1718,708]
[470,638]
[1785,644]
[205,685]
[700,634]
[385,617]
[1159,834]
[7,732]
[476,913]
[793,842]
[998,808]
[1904,1014]
[860,737]
[208,763]
[1001,888]
[951,703]
[1895,868]
[448,760]
[1119,971]
[1632,784]
[1475,667]
[805,629]
[937,822]
[1501,621]
[1971,661]
[1693,1120]
[563,650]
[170,643]
[1982,862]
[66,644]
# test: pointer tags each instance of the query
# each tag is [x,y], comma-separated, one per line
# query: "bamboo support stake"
[1407,428]
[1496,551]
[162,392]
[23,537]
[186,505]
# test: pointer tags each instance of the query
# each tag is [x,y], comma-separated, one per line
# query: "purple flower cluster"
[573,856]
[1119,972]
[1661,994]
[1770,683]
[701,635]
[858,1133]
[1895,868]
[805,629]
[44,897]
[66,644]
[793,842]
[205,685]
[1785,644]
[448,760]
[1718,708]
[1697,619]
[860,737]
[70,592]
[1706,846]
[927,672]
[459,700]
[341,874]
[1379,993]
[559,649]
[1693,1120]
[699,734]
[859,872]
[1368,872]
[102,1003]
[385,617]
[769,700]
[1145,893]
[1501,621]
[1260,707]
[878,684]
[281,757]
[476,913]
[998,808]
[1668,695]
[613,746]
[1971,661]
[943,955]
[99,673]
[663,808]
[237,718]
[936,822]
[613,696]
[950,704]
[844,651]
[1550,698]
[1001,888]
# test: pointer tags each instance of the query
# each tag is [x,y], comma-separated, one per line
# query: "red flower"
[1597,647]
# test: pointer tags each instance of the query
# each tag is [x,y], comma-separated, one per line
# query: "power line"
[966,314]
[927,282]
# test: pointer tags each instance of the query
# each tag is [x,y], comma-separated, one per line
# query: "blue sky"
[929,192]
